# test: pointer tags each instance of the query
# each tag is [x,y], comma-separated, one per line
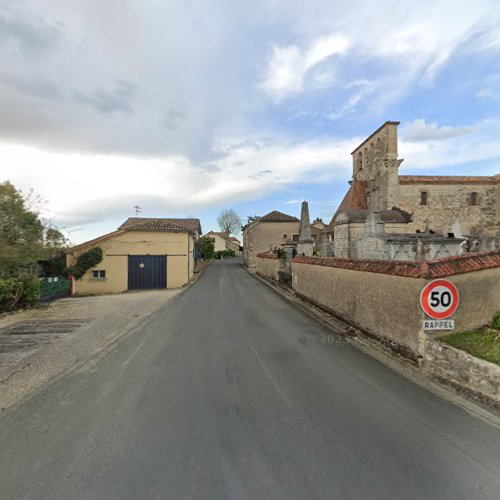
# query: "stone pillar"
[306,243]
[373,224]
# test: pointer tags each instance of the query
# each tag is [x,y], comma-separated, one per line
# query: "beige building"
[142,254]
[268,232]
[219,239]
[460,206]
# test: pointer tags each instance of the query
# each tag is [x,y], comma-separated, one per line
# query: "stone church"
[438,209]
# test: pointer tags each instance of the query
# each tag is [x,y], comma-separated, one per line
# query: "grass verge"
[484,344]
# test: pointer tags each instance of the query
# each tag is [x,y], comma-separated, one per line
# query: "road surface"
[229,391]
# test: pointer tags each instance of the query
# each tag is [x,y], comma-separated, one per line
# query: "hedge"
[18,292]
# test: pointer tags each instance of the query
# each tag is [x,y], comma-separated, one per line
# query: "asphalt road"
[228,391]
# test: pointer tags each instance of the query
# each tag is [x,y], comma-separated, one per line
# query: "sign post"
[439,299]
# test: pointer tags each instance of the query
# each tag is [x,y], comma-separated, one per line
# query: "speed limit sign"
[439,299]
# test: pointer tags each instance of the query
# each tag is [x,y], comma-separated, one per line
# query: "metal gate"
[54,288]
[147,272]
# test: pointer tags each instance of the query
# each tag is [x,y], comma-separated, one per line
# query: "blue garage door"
[147,272]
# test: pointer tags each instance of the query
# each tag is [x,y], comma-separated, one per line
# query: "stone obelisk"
[306,243]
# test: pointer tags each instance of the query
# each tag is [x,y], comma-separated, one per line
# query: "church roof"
[395,215]
[355,199]
[276,216]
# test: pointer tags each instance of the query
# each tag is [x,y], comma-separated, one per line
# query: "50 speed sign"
[439,299]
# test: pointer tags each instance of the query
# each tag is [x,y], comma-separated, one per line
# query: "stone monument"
[306,243]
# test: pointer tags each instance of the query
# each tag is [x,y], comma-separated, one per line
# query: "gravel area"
[38,344]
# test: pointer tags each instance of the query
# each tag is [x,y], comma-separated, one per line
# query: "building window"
[99,275]
[473,199]
[285,236]
[295,237]
[423,198]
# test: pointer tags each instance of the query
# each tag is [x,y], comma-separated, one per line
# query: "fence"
[54,288]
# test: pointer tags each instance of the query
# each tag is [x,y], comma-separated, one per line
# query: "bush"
[496,321]
[282,253]
[19,292]
[224,253]
[206,247]
[86,261]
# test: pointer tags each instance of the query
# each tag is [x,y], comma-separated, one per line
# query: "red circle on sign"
[439,299]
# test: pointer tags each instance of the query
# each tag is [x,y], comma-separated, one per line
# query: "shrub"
[206,247]
[19,292]
[496,321]
[224,253]
[86,261]
[282,253]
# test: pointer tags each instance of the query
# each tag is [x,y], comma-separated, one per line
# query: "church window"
[473,199]
[423,198]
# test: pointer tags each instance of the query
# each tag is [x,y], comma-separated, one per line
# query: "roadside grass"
[484,344]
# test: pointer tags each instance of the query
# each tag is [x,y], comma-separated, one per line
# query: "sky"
[188,108]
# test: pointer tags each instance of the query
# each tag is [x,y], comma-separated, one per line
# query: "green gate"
[54,288]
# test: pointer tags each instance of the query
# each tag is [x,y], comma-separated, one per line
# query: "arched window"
[360,161]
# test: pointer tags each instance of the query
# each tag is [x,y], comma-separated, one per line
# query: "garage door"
[147,272]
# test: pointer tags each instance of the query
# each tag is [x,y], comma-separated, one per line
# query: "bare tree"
[229,221]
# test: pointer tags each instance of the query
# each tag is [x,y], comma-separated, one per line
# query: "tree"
[252,218]
[229,221]
[21,233]
[206,247]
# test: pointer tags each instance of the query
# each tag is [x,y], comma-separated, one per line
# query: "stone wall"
[466,373]
[267,265]
[264,236]
[382,298]
[447,204]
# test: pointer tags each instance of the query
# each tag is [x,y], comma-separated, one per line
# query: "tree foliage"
[21,234]
[229,221]
[206,246]
[87,260]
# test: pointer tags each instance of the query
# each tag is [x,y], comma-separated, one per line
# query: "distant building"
[219,239]
[271,231]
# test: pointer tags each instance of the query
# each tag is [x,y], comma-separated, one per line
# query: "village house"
[465,208]
[271,231]
[141,254]
[219,239]
[234,245]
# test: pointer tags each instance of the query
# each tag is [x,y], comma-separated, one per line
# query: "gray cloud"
[31,33]
[421,131]
[117,100]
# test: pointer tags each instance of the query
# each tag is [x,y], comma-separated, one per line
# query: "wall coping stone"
[267,255]
[429,269]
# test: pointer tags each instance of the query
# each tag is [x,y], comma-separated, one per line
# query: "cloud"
[117,100]
[420,131]
[30,33]
[289,65]
[293,202]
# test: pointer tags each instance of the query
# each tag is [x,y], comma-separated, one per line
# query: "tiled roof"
[276,216]
[193,225]
[267,255]
[234,240]
[158,225]
[429,269]
[354,199]
[394,215]
[448,179]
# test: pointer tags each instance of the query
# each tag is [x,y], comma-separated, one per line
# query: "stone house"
[141,254]
[234,245]
[271,231]
[449,206]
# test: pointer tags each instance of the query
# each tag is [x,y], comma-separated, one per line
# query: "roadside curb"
[385,356]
